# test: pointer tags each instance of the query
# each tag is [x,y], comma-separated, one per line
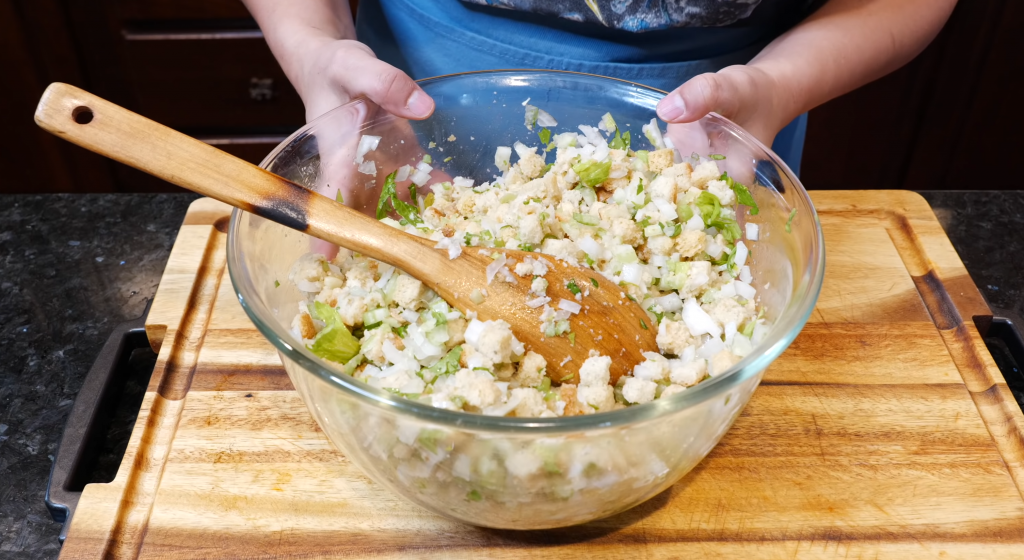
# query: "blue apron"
[431,38]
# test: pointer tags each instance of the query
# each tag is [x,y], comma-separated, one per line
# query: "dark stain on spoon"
[286,205]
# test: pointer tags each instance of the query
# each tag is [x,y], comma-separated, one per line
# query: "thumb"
[697,97]
[393,90]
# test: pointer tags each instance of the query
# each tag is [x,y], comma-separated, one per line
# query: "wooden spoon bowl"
[608,322]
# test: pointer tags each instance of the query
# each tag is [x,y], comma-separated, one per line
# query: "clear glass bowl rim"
[790,322]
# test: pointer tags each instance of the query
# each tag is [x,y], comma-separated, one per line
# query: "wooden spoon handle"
[113,131]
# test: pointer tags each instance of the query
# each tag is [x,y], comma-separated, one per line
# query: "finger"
[391,88]
[699,96]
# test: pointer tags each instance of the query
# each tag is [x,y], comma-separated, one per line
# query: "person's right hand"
[333,72]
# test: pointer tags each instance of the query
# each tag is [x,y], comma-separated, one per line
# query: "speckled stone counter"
[74,266]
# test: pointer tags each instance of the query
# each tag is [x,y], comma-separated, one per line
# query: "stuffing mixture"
[662,227]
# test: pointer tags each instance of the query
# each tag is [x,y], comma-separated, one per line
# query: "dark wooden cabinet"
[202,67]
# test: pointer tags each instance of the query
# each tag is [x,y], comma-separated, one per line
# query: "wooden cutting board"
[885,431]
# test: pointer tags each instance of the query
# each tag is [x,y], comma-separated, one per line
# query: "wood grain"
[885,431]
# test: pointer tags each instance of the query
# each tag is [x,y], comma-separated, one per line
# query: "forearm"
[290,27]
[844,45]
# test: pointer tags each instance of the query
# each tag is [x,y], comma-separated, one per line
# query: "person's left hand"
[746,95]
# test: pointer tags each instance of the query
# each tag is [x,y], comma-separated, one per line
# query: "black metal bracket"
[1003,336]
[89,419]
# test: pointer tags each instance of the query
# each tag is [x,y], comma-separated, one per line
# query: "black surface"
[59,302]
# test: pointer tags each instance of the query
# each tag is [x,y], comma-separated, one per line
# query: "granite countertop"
[74,266]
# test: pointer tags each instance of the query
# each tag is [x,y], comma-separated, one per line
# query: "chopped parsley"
[277,284]
[572,339]
[474,496]
[573,287]
[789,222]
[427,159]
[594,282]
[620,141]
[586,219]
[657,315]
[339,197]
[545,136]
[643,323]
[449,364]
[640,186]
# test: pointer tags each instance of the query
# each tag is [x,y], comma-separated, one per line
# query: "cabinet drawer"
[210,82]
[178,9]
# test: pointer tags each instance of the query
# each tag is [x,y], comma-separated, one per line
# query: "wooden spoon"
[608,322]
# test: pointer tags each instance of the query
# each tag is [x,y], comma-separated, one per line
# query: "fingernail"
[671,108]
[420,104]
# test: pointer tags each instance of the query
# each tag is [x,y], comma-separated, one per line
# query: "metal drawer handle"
[261,89]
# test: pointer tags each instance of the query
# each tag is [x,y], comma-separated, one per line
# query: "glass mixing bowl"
[521,473]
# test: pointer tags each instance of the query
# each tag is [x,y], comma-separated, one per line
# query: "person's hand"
[333,72]
[746,95]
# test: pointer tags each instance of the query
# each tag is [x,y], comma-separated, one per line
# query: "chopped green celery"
[589,195]
[672,229]
[748,329]
[507,197]
[561,327]
[447,159]
[546,168]
[685,212]
[334,342]
[572,339]
[570,376]
[743,195]
[624,254]
[593,173]
[586,219]
[375,317]
[390,287]
[573,287]
[549,330]
[590,262]
[594,282]
[468,238]
[545,385]
[789,222]
[528,247]
[609,122]
[716,156]
[388,195]
[642,154]
[400,331]
[728,227]
[535,199]
[653,230]
[350,367]
[544,135]
[439,318]
[544,217]
[474,496]
[709,206]
[277,284]
[429,201]
[339,197]
[449,364]
[657,315]
[429,438]
[324,265]
[459,401]
[640,186]
[439,305]
[427,159]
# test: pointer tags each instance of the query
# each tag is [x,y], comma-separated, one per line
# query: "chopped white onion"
[504,408]
[727,291]
[367,143]
[420,177]
[462,182]
[493,268]
[545,119]
[653,134]
[666,209]
[570,306]
[752,231]
[368,167]
[698,320]
[452,244]
[730,332]
[745,275]
[403,173]
[591,247]
[633,273]
[696,223]
[522,151]
[474,329]
[745,290]
[710,348]
[535,303]
[712,248]
[740,258]
[670,303]
[424,167]
[502,157]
